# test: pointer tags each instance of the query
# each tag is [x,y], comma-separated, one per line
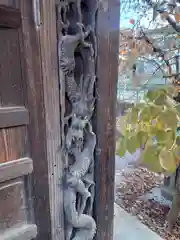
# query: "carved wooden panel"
[77,46]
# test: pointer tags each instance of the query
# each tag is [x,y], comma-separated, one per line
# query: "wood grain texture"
[13,116]
[31,49]
[12,204]
[104,119]
[13,143]
[16,168]
[11,92]
[9,17]
[26,231]
[10,3]
[48,44]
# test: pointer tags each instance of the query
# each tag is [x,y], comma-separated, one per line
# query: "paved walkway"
[127,227]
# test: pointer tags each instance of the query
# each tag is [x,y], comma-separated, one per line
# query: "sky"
[144,21]
[125,19]
[125,23]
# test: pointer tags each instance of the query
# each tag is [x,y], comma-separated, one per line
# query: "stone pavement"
[126,226]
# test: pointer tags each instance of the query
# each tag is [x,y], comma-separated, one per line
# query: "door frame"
[42,143]
[105,117]
[41,62]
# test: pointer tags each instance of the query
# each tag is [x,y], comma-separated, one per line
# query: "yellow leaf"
[168,118]
[150,158]
[155,110]
[167,160]
[142,138]
[133,115]
[121,147]
[123,52]
[160,125]
[132,144]
[177,17]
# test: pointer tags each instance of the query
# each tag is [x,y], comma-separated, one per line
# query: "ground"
[139,200]
[130,228]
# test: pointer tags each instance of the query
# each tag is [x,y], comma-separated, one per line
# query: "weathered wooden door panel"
[16,166]
[13,143]
[10,68]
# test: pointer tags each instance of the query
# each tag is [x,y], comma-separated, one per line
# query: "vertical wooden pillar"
[104,120]
[33,85]
[40,49]
[49,59]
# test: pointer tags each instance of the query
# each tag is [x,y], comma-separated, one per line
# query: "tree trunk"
[175,209]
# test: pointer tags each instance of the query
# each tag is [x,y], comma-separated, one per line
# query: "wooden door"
[16,165]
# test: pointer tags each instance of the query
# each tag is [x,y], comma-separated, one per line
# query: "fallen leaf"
[177,17]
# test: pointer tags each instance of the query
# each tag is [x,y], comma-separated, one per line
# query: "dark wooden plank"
[104,119]
[14,143]
[12,204]
[13,116]
[16,168]
[26,231]
[48,45]
[33,87]
[9,17]
[10,3]
[11,92]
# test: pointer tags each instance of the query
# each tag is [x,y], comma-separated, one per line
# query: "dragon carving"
[80,140]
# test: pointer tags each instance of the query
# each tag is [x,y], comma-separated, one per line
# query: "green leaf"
[151,158]
[161,99]
[170,90]
[142,138]
[154,110]
[145,114]
[170,138]
[132,144]
[169,118]
[152,95]
[139,106]
[167,160]
[164,137]
[160,135]
[133,115]
[153,130]
[121,147]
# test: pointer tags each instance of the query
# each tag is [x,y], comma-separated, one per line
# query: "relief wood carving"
[77,59]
